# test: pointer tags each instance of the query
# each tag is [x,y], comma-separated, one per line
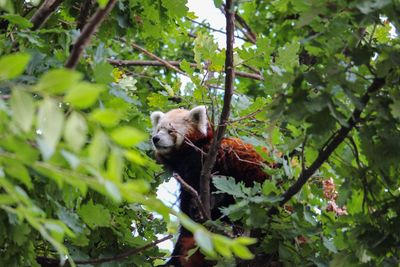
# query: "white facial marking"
[155,117]
[199,116]
[169,129]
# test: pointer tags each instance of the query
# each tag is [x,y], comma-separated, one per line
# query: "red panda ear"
[155,117]
[198,116]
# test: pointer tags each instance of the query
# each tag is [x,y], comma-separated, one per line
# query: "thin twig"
[211,157]
[334,142]
[164,62]
[213,29]
[249,32]
[156,63]
[303,158]
[244,160]
[243,27]
[194,193]
[248,116]
[88,30]
[43,13]
[364,181]
[110,259]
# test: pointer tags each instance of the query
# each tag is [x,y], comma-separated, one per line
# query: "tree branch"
[156,63]
[84,13]
[43,13]
[248,32]
[210,159]
[87,32]
[162,61]
[334,142]
[44,261]
[194,193]
[243,27]
[212,29]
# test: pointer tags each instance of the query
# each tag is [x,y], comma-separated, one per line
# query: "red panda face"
[170,129]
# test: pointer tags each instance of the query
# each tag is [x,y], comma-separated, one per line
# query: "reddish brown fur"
[240,160]
[195,260]
[235,158]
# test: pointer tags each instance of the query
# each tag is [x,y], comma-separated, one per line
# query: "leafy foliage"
[76,170]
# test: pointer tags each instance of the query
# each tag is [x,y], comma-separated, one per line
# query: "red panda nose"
[155,139]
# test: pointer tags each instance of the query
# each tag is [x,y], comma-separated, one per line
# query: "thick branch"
[156,63]
[194,193]
[44,12]
[44,261]
[209,161]
[334,142]
[87,33]
[162,61]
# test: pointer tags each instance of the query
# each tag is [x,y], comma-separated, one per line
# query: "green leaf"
[176,8]
[103,73]
[128,136]
[18,171]
[16,64]
[354,205]
[242,251]
[135,157]
[382,33]
[23,109]
[102,3]
[244,240]
[113,191]
[95,215]
[185,66]
[362,55]
[342,260]
[222,245]
[369,6]
[83,95]
[115,165]
[20,233]
[328,243]
[6,199]
[98,149]
[218,3]
[395,108]
[50,124]
[58,81]
[106,117]
[236,211]
[73,160]
[229,186]
[205,49]
[138,185]
[269,187]
[7,5]
[287,56]
[75,133]
[204,241]
[17,20]
[57,229]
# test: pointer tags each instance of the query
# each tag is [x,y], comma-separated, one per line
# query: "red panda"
[181,138]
